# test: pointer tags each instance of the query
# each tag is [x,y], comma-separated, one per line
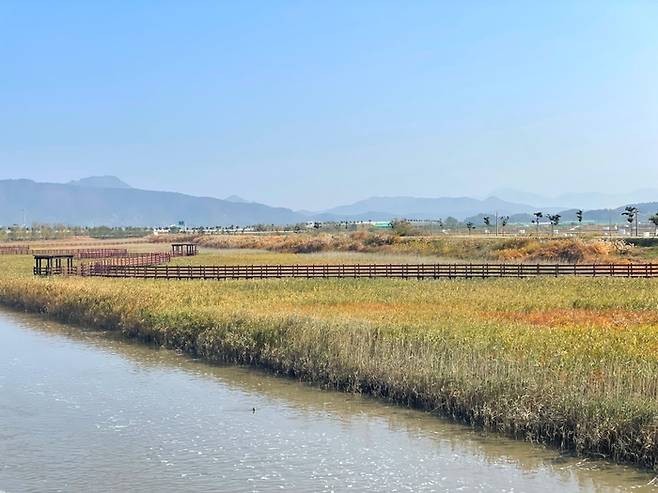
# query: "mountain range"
[424,208]
[579,200]
[107,200]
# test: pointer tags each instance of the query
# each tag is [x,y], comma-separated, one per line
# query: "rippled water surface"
[85,411]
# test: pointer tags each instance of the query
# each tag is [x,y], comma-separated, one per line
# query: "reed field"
[236,256]
[477,248]
[571,362]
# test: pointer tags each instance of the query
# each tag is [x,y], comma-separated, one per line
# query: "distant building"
[382,225]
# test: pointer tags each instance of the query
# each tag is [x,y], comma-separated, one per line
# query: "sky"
[309,104]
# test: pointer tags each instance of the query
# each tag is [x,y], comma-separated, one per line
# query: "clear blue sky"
[311,104]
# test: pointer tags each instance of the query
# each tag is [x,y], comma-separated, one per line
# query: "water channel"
[88,411]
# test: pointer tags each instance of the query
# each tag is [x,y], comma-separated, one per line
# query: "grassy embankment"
[571,361]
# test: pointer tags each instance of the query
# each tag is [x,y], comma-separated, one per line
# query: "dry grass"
[292,243]
[580,317]
[260,257]
[569,361]
[479,248]
[76,242]
[564,250]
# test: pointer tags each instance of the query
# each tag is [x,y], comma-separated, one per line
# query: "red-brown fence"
[401,271]
[85,253]
[128,261]
[14,250]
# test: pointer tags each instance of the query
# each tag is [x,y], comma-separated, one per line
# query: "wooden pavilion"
[183,249]
[46,264]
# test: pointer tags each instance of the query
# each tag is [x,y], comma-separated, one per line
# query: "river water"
[88,411]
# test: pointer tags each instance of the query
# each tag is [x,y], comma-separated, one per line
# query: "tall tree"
[654,220]
[554,220]
[538,215]
[631,213]
[579,216]
[470,226]
[503,222]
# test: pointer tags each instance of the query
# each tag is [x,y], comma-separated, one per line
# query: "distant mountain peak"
[106,181]
[237,199]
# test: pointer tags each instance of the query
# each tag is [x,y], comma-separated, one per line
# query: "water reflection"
[84,410]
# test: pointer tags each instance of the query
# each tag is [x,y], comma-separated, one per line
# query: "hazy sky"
[310,104]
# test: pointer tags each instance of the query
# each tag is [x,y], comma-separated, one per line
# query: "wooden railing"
[84,253]
[14,250]
[400,271]
[128,261]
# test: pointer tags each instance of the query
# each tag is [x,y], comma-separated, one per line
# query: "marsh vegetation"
[570,361]
[475,248]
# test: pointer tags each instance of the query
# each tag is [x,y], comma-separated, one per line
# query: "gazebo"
[46,265]
[183,249]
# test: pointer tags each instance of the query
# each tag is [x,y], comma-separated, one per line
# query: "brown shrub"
[561,250]
[570,250]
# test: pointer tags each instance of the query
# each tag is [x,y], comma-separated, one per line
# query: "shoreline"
[363,358]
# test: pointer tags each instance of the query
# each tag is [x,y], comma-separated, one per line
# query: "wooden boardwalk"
[398,271]
[83,253]
[128,260]
[78,253]
[14,250]
[90,264]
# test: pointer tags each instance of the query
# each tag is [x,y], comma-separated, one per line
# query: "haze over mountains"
[107,200]
[103,201]
[582,200]
[424,208]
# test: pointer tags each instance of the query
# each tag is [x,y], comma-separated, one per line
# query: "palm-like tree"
[554,219]
[470,226]
[654,220]
[503,222]
[538,215]
[631,213]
